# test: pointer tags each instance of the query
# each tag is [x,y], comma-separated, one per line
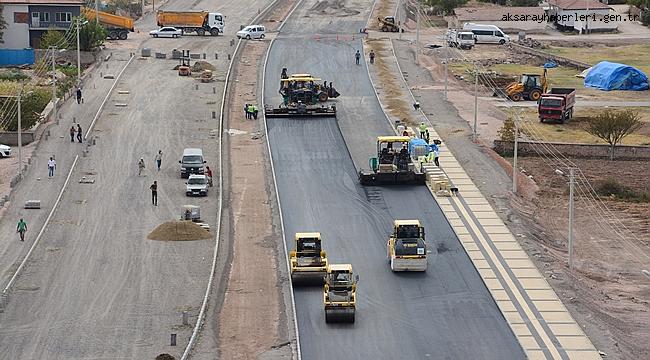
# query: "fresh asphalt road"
[445,313]
[96,288]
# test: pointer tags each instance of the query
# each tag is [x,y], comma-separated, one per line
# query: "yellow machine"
[301,95]
[339,293]
[388,24]
[308,260]
[407,249]
[393,164]
[530,87]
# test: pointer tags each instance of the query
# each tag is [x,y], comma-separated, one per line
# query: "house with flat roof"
[28,20]
[582,15]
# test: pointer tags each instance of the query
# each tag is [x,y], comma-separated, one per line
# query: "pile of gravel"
[179,231]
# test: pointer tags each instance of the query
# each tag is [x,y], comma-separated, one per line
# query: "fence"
[10,57]
[531,148]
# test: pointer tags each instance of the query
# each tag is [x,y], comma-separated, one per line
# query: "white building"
[16,35]
[581,15]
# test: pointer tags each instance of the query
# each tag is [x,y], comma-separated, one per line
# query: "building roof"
[494,13]
[577,4]
[43,2]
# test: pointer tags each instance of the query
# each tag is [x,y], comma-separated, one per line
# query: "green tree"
[444,6]
[91,35]
[54,38]
[33,102]
[507,131]
[613,126]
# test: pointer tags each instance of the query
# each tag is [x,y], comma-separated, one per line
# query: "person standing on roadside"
[255,112]
[79,98]
[357,57]
[140,166]
[423,130]
[51,166]
[372,56]
[159,159]
[208,172]
[79,133]
[246,111]
[154,193]
[21,228]
[72,133]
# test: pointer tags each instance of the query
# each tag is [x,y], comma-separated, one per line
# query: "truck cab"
[407,249]
[556,105]
[216,21]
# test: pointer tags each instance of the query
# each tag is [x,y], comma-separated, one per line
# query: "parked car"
[252,32]
[197,185]
[5,151]
[487,33]
[192,162]
[166,31]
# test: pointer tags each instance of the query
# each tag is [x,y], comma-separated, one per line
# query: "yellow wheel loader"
[339,294]
[393,164]
[407,249]
[530,87]
[308,260]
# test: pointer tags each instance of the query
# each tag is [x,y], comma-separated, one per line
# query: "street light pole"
[78,53]
[54,99]
[571,185]
[417,34]
[20,136]
[475,102]
[515,172]
[446,66]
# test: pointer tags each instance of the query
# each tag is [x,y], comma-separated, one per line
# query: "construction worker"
[357,57]
[140,166]
[423,130]
[434,154]
[21,228]
[255,112]
[250,111]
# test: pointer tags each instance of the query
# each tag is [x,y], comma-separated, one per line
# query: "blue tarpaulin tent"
[613,76]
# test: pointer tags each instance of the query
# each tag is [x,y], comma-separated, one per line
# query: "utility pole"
[515,172]
[97,11]
[475,103]
[571,184]
[399,22]
[78,53]
[587,17]
[20,135]
[417,34]
[54,99]
[142,7]
[446,66]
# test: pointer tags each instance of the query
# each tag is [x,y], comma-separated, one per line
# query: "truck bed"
[109,19]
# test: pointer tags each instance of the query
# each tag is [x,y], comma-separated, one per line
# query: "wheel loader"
[407,249]
[308,260]
[301,95]
[339,293]
[529,87]
[393,164]
[388,24]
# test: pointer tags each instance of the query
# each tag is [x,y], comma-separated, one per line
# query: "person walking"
[159,159]
[423,130]
[357,57]
[72,133]
[154,193]
[79,135]
[79,98]
[140,166]
[208,172]
[21,229]
[372,56]
[51,166]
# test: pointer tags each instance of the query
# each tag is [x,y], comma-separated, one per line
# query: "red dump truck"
[557,105]
[117,27]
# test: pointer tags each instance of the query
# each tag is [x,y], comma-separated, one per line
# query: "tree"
[612,126]
[54,38]
[33,102]
[445,6]
[507,131]
[91,35]
[528,3]
[3,24]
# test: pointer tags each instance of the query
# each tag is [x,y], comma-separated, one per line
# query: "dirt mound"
[165,357]
[202,65]
[179,231]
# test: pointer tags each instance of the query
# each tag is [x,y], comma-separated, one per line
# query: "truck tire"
[123,35]
[535,94]
[515,97]
[570,114]
[384,28]
[214,31]
[395,29]
[112,35]
[200,32]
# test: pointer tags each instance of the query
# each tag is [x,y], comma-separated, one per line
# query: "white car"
[5,151]
[252,32]
[197,185]
[166,31]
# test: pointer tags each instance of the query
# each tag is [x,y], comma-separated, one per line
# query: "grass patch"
[634,55]
[612,189]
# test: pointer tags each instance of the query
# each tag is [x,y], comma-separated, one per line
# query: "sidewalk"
[35,184]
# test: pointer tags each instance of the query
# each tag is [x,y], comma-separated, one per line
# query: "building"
[582,15]
[508,19]
[28,20]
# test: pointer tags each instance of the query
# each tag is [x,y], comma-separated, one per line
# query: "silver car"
[166,31]
[5,151]
[197,185]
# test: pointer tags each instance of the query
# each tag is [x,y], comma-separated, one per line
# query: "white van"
[487,33]
[252,32]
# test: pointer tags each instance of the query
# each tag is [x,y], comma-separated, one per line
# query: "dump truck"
[460,39]
[193,21]
[557,105]
[339,293]
[388,24]
[407,249]
[393,164]
[301,95]
[117,27]
[308,260]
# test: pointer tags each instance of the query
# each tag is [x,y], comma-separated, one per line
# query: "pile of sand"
[165,357]
[179,231]
[202,65]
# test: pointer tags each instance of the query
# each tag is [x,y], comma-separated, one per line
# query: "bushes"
[611,188]
[13,75]
[34,100]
